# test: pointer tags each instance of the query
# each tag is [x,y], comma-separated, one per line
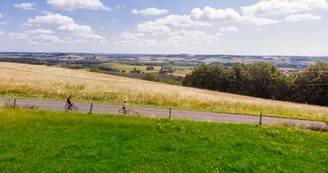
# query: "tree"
[241,78]
[264,80]
[150,68]
[210,77]
[267,81]
[311,85]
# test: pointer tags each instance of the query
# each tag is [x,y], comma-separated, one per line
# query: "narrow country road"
[190,115]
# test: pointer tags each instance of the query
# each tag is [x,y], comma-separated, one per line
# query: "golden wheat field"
[57,83]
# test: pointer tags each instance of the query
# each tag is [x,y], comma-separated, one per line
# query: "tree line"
[264,80]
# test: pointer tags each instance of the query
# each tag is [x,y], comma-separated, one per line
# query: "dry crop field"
[42,82]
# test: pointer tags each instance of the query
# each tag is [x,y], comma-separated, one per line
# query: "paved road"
[190,115]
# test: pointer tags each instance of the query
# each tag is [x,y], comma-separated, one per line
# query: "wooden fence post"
[91,107]
[260,119]
[170,113]
[14,103]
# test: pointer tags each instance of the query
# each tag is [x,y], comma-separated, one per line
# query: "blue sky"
[248,27]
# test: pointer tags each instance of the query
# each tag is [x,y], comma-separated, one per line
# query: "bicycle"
[126,112]
[71,108]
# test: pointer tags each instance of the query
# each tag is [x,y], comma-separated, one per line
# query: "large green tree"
[210,77]
[241,79]
[311,86]
[267,81]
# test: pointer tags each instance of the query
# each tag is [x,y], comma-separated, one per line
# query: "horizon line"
[200,54]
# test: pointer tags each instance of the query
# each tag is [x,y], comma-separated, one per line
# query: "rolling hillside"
[20,80]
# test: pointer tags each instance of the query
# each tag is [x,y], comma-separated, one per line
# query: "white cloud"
[52,19]
[47,38]
[222,29]
[74,41]
[301,17]
[26,24]
[134,11]
[149,42]
[25,6]
[232,29]
[75,28]
[70,5]
[1,15]
[260,29]
[219,34]
[80,30]
[17,36]
[114,20]
[80,41]
[229,29]
[32,42]
[139,43]
[66,24]
[4,23]
[2,33]
[153,27]
[39,31]
[278,7]
[150,11]
[211,14]
[104,41]
[256,21]
[190,37]
[33,38]
[161,25]
[180,21]
[90,36]
[176,38]
[129,35]
[131,39]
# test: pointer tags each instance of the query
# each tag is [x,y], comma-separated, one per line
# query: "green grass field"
[128,68]
[45,141]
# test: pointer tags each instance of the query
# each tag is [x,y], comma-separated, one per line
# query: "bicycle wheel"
[121,112]
[131,112]
[74,109]
[66,107]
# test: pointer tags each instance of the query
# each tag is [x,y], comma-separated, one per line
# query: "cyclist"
[69,101]
[125,106]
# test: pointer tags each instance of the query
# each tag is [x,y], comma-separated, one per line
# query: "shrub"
[95,69]
[172,82]
[149,68]
[152,77]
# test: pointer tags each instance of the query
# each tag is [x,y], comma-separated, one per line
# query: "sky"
[238,27]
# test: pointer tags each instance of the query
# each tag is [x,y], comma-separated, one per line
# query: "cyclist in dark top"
[69,101]
[124,106]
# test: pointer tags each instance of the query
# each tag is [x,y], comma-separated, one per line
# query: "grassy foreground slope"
[56,83]
[44,141]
